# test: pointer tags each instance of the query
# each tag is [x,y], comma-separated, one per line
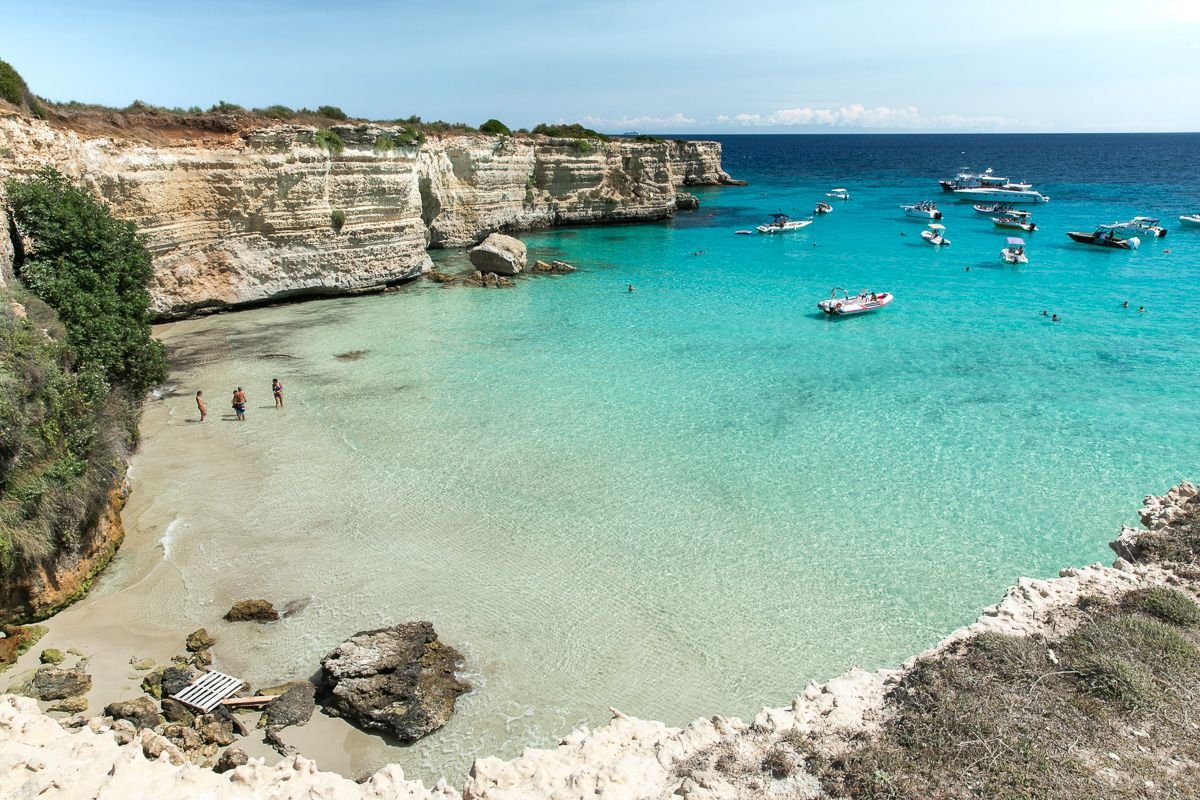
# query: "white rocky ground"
[627,758]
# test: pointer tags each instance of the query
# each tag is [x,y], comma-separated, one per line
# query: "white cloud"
[859,116]
[671,123]
[1182,12]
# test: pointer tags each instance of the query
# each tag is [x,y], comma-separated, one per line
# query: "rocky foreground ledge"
[784,752]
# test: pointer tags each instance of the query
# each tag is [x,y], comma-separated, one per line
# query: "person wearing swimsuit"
[239,404]
[201,405]
[277,390]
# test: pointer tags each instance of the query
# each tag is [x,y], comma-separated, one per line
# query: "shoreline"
[624,752]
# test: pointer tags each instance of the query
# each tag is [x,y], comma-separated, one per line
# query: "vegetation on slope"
[76,357]
[14,90]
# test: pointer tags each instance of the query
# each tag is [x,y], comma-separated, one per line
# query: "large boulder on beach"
[141,711]
[500,254]
[55,683]
[400,681]
[294,705]
[252,611]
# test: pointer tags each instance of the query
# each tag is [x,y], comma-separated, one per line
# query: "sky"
[649,65]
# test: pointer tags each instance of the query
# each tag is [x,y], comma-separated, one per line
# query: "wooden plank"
[260,700]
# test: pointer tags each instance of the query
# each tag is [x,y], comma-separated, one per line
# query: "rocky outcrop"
[141,711]
[265,214]
[56,683]
[499,254]
[55,582]
[399,681]
[252,611]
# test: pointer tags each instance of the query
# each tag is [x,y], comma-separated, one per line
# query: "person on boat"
[277,390]
[201,405]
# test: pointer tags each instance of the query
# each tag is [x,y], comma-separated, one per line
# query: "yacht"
[1001,209]
[1105,236]
[782,223]
[924,210]
[935,235]
[1145,225]
[966,180]
[1000,190]
[842,304]
[838,194]
[1015,252]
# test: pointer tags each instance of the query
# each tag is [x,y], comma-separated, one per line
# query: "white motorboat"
[1001,190]
[782,223]
[838,194]
[935,235]
[1016,223]
[1147,226]
[966,180]
[1015,252]
[1190,220]
[822,208]
[842,304]
[923,209]
[744,233]
[1000,209]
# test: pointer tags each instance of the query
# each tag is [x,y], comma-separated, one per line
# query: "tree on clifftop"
[93,270]
[496,127]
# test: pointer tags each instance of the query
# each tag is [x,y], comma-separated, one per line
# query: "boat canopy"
[1015,241]
[937,226]
[781,216]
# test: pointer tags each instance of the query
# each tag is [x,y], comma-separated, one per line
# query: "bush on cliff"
[331,112]
[65,436]
[14,89]
[276,112]
[93,271]
[495,127]
[572,131]
[329,141]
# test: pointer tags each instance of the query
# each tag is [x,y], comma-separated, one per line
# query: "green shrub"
[1166,604]
[276,112]
[574,131]
[582,146]
[12,85]
[495,126]
[645,137]
[331,112]
[225,108]
[384,143]
[93,271]
[329,141]
[337,219]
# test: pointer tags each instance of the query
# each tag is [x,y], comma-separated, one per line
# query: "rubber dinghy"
[842,304]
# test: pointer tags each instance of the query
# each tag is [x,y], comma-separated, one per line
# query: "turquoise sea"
[693,498]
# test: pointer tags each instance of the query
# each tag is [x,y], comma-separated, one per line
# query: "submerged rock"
[553,267]
[252,611]
[500,254]
[199,640]
[399,681]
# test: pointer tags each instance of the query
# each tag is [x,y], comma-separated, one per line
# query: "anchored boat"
[935,235]
[838,194]
[822,208]
[1191,220]
[842,304]
[1015,252]
[1015,223]
[782,223]
[924,210]
[1145,226]
[1105,236]
[1002,209]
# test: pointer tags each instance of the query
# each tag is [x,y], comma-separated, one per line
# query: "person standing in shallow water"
[239,404]
[200,404]
[277,390]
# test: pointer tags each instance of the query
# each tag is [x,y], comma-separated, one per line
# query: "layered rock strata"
[626,758]
[269,213]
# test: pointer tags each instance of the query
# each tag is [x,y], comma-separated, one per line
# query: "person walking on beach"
[200,404]
[277,390]
[239,404]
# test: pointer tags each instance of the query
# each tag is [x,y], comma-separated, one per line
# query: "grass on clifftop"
[1096,714]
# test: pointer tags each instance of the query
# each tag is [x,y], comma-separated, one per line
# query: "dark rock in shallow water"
[398,681]
[686,202]
[199,640]
[141,711]
[53,683]
[252,611]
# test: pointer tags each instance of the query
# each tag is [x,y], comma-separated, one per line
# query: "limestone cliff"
[58,580]
[267,213]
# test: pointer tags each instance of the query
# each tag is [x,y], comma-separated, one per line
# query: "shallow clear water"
[695,498]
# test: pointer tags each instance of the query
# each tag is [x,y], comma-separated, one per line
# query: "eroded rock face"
[250,216]
[500,254]
[252,611]
[399,681]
